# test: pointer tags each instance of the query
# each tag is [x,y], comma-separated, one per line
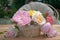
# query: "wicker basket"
[42,7]
[32,31]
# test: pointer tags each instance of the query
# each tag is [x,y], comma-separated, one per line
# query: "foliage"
[16,5]
[19,3]
[3,4]
[55,3]
[8,11]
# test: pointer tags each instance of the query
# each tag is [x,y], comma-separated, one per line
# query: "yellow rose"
[31,12]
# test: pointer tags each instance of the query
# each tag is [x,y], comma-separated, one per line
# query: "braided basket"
[30,31]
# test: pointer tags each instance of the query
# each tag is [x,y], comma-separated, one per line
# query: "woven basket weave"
[42,7]
[30,31]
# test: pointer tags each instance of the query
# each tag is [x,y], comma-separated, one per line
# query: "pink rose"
[49,19]
[52,33]
[22,17]
[12,32]
[47,29]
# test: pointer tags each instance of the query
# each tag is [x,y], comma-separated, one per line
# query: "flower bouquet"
[32,23]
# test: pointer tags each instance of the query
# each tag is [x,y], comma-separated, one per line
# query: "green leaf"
[44,15]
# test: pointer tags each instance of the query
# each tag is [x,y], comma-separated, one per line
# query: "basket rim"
[55,11]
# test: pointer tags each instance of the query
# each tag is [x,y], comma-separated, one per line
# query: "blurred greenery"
[55,3]
[10,10]
[16,5]
[7,11]
[2,12]
[59,13]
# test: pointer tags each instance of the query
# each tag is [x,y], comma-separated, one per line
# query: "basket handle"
[55,11]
